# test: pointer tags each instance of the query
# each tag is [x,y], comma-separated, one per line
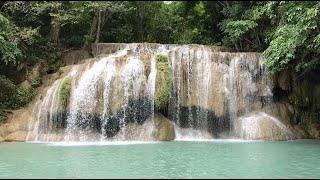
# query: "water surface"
[177,159]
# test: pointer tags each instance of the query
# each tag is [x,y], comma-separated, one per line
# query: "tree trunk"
[98,22]
[237,47]
[54,32]
[94,26]
[101,21]
[97,35]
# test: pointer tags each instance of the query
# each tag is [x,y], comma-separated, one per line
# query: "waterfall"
[112,96]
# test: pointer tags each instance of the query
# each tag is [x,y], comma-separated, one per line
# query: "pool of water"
[176,159]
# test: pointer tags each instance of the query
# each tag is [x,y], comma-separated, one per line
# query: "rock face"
[261,126]
[302,96]
[212,89]
[16,126]
[164,129]
[205,89]
[74,56]
[1,139]
[19,136]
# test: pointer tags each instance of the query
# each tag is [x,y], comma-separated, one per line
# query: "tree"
[101,12]
[9,44]
[286,32]
[61,14]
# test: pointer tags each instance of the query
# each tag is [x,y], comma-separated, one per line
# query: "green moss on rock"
[64,92]
[163,82]
[162,58]
[162,98]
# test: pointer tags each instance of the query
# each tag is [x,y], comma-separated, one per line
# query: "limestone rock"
[281,110]
[18,136]
[299,132]
[164,129]
[1,139]
[284,81]
[315,130]
[74,56]
[135,132]
[261,126]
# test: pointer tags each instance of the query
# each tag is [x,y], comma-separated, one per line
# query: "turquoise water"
[177,159]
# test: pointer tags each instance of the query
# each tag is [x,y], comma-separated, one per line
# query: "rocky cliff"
[125,91]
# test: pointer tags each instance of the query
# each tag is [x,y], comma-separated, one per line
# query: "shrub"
[13,97]
[6,84]
[21,97]
[36,82]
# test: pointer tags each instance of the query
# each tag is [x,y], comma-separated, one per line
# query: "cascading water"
[112,96]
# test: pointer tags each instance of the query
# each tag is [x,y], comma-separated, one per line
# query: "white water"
[211,90]
[251,129]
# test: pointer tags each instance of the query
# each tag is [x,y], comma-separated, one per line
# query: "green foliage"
[236,29]
[36,82]
[64,92]
[18,98]
[12,97]
[9,50]
[286,32]
[293,34]
[2,115]
[6,85]
[21,97]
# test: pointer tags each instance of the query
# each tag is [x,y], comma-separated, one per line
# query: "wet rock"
[164,129]
[136,132]
[19,136]
[261,126]
[281,110]
[198,118]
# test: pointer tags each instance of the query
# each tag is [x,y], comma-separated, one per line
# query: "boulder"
[164,129]
[1,139]
[19,136]
[261,126]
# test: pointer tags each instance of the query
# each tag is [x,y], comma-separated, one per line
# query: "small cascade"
[212,89]
[112,97]
[191,134]
[86,99]
[260,125]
